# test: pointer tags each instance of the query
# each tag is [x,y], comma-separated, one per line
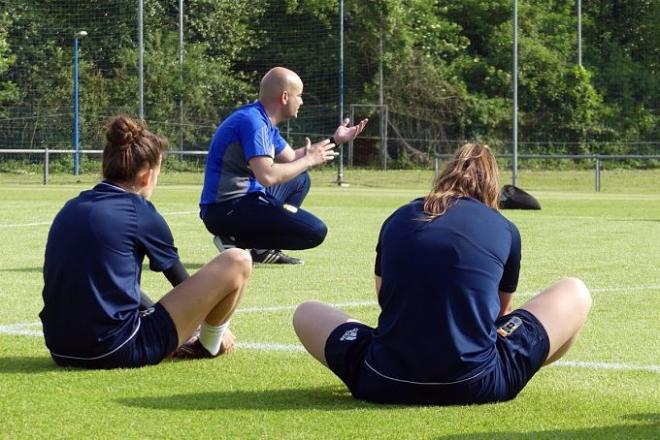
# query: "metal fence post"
[350,144]
[340,162]
[436,165]
[597,171]
[46,165]
[383,133]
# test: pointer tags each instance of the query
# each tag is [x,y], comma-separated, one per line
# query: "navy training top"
[246,133]
[92,269]
[439,294]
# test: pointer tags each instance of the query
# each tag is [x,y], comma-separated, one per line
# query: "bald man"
[255,182]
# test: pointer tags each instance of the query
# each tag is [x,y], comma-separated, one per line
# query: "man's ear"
[284,97]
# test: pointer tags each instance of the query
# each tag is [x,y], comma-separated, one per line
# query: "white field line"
[294,348]
[359,304]
[181,213]
[173,213]
[263,346]
[33,329]
[270,309]
[27,329]
[607,366]
[22,329]
[24,225]
[27,225]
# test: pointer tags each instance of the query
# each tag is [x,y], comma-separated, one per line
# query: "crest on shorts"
[146,312]
[350,335]
[509,327]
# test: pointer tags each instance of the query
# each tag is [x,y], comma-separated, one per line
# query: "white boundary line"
[24,225]
[33,329]
[27,225]
[27,329]
[359,304]
[608,366]
[263,346]
[179,213]
[352,304]
[22,329]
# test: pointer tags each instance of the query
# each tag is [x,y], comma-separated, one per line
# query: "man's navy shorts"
[156,339]
[520,355]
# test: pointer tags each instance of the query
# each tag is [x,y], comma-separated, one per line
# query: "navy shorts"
[522,346]
[263,222]
[156,339]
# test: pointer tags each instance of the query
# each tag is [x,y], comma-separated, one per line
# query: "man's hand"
[344,133]
[319,152]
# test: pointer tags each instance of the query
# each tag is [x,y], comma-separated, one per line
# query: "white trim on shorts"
[423,383]
[137,327]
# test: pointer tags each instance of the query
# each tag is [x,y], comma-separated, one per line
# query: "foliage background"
[446,68]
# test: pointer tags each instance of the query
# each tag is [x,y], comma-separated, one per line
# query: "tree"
[623,48]
[8,91]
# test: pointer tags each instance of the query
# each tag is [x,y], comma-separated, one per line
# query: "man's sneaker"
[272,256]
[193,349]
[223,243]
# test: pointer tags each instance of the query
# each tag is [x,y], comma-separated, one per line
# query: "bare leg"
[562,309]
[313,322]
[212,293]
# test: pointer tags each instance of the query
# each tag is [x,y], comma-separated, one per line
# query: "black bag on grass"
[512,197]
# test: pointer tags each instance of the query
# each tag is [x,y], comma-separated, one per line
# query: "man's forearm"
[283,172]
[300,152]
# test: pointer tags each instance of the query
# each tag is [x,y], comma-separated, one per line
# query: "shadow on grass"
[649,428]
[194,266]
[325,398]
[260,267]
[23,269]
[27,365]
[638,220]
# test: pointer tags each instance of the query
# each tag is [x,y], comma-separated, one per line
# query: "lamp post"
[579,32]
[514,155]
[76,142]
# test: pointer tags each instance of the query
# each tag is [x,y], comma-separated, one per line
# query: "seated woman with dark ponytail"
[92,315]
[446,269]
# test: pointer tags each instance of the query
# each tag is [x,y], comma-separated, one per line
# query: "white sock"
[211,336]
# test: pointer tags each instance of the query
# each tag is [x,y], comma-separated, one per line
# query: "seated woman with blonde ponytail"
[446,268]
[92,315]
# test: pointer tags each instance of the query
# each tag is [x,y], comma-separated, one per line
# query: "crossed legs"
[211,294]
[313,322]
[562,309]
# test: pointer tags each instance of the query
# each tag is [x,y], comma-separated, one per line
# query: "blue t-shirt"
[439,294]
[92,269]
[246,133]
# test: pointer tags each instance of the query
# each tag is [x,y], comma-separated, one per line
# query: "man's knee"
[319,232]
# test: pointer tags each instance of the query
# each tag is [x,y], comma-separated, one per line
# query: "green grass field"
[608,386]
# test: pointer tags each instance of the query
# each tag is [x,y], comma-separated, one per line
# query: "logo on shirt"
[350,335]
